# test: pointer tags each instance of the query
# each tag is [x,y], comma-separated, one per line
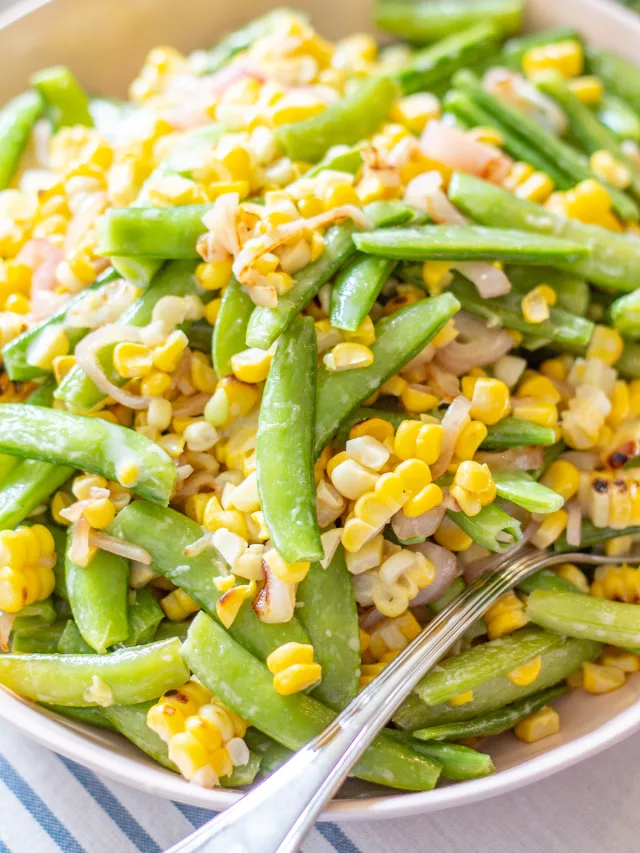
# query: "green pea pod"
[200,335]
[521,489]
[246,686]
[619,117]
[545,579]
[513,432]
[398,339]
[427,21]
[514,49]
[98,597]
[356,116]
[168,629]
[16,123]
[491,527]
[27,486]
[145,614]
[153,232]
[625,314]
[164,534]
[628,365]
[458,762]
[121,678]
[364,413]
[355,290]
[34,616]
[271,753]
[592,535]
[577,615]
[90,444]
[65,99]
[618,75]
[42,640]
[92,716]
[326,606]
[230,329]
[242,39]
[557,664]
[71,641]
[41,396]
[573,292]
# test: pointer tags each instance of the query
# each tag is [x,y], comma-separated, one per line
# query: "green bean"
[90,716]
[65,101]
[266,324]
[513,432]
[230,329]
[71,641]
[200,334]
[28,485]
[592,535]
[614,261]
[357,115]
[98,597]
[467,242]
[42,640]
[618,75]
[34,616]
[16,353]
[491,527]
[168,629]
[355,290]
[145,614]
[326,606]
[483,663]
[399,338]
[428,21]
[514,49]
[625,314]
[628,365]
[521,489]
[77,390]
[434,65]
[164,534]
[573,292]
[493,723]
[122,678]
[153,232]
[60,542]
[455,589]
[90,444]
[566,158]
[348,160]
[284,451]
[458,762]
[619,117]
[242,39]
[545,579]
[582,616]
[246,686]
[16,123]
[557,664]
[41,396]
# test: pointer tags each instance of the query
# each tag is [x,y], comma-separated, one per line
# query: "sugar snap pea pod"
[266,324]
[122,678]
[285,446]
[493,723]
[200,335]
[90,444]
[428,21]
[619,117]
[41,396]
[98,597]
[566,158]
[230,330]
[545,579]
[557,664]
[27,486]
[614,261]
[578,615]
[467,242]
[271,753]
[398,339]
[164,534]
[491,527]
[42,639]
[153,232]
[628,365]
[482,663]
[521,489]
[16,353]
[592,535]
[167,629]
[145,614]
[65,100]
[242,39]
[458,762]
[573,293]
[355,290]
[435,64]
[246,686]
[625,314]
[91,716]
[60,542]
[356,116]
[16,123]
[514,432]
[618,75]
[77,390]
[34,616]
[71,641]
[515,48]
[326,606]
[347,160]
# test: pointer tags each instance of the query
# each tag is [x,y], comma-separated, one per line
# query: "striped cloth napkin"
[49,804]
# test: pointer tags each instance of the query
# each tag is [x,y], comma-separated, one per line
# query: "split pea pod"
[16,123]
[491,527]
[230,329]
[65,100]
[428,21]
[521,489]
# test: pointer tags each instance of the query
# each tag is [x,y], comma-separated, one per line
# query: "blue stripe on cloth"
[332,833]
[121,816]
[37,808]
[3,847]
[195,815]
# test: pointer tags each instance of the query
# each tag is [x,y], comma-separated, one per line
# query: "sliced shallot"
[452,422]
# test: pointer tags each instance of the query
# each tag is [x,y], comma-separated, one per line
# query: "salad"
[296,343]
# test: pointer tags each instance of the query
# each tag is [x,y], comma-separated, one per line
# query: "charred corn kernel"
[469,439]
[605,167]
[588,88]
[348,356]
[554,368]
[490,400]
[241,397]
[426,499]
[418,398]
[167,357]
[82,486]
[286,572]
[527,673]
[132,360]
[620,659]
[374,427]
[540,387]
[606,344]
[450,536]
[436,276]
[428,443]
[214,276]
[251,365]
[550,529]
[462,699]
[229,604]
[505,616]
[535,304]
[543,723]
[414,474]
[51,343]
[566,57]
[352,479]
[414,111]
[537,188]
[128,473]
[574,575]
[536,411]
[100,513]
[601,679]
[563,478]
[178,605]
[202,375]
[59,502]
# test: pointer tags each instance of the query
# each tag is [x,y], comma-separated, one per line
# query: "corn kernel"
[132,360]
[550,529]
[426,499]
[588,89]
[348,356]
[537,188]
[606,344]
[490,400]
[296,678]
[241,397]
[436,276]
[566,57]
[59,502]
[214,276]
[469,439]
[461,699]
[251,365]
[286,572]
[450,536]
[418,398]
[527,673]
[374,427]
[100,513]
[563,478]
[167,357]
[620,659]
[606,168]
[178,605]
[601,679]
[543,723]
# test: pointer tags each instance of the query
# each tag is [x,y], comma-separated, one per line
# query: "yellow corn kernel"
[550,529]
[202,375]
[518,174]
[155,384]
[563,478]
[450,536]
[100,513]
[554,368]
[404,446]
[606,344]
[566,57]
[374,427]
[535,411]
[229,604]
[195,506]
[538,386]
[251,365]
[167,357]
[461,699]
[340,194]
[588,88]
[60,501]
[606,168]
[414,474]
[473,476]
[348,356]
[365,333]
[535,304]
[436,276]
[527,673]
[128,473]
[81,486]
[296,678]
[469,439]
[505,616]
[47,543]
[543,723]
[601,679]
[428,442]
[620,404]
[391,490]
[391,599]
[352,479]
[61,365]
[214,276]
[287,655]
[178,605]
[490,400]
[286,572]
[620,659]
[370,509]
[18,303]
[211,311]
[537,188]
[132,360]
[571,573]
[427,498]
[241,397]
[418,398]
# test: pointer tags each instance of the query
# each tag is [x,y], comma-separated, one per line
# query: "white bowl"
[104,43]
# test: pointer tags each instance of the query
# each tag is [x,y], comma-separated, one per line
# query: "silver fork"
[276,816]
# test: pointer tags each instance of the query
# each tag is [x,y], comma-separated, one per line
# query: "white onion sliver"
[422,525]
[574,524]
[475,346]
[489,280]
[514,459]
[276,601]
[117,546]
[452,422]
[6,624]
[446,566]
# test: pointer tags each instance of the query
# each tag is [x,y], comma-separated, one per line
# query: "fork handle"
[276,815]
